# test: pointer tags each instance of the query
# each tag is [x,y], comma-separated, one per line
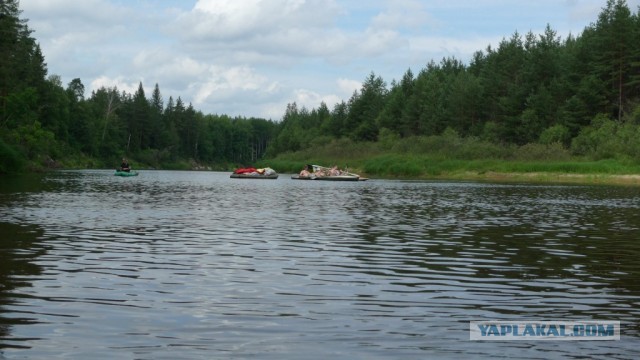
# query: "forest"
[535,94]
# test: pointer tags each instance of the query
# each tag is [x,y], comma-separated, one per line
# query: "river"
[195,265]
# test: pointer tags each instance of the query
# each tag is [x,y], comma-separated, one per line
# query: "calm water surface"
[194,265]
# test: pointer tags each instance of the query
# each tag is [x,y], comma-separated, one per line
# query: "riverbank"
[483,176]
[394,166]
[419,167]
[546,178]
[450,157]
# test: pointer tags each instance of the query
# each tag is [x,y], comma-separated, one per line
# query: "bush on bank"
[604,147]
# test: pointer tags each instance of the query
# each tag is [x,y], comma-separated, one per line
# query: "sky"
[251,58]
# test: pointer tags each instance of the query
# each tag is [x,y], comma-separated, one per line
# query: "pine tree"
[614,44]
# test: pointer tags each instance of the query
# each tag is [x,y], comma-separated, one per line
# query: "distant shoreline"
[551,178]
[426,167]
[542,178]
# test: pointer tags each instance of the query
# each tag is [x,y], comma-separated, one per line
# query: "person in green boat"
[124,166]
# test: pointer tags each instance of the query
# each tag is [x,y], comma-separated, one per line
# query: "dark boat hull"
[126,173]
[328,178]
[245,176]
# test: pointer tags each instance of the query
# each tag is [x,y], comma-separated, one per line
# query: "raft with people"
[125,169]
[317,172]
[253,173]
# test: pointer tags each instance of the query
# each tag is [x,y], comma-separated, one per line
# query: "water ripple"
[183,264]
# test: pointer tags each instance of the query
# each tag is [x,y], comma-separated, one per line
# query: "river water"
[195,265]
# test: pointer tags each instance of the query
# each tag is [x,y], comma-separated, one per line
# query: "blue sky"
[253,57]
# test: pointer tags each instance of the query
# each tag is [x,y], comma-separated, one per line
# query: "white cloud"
[432,46]
[409,14]
[307,98]
[220,84]
[343,90]
[163,64]
[347,86]
[379,42]
[247,19]
[120,82]
[310,99]
[87,12]
[287,30]
[271,110]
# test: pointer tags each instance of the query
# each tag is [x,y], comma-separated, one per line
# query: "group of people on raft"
[320,171]
[306,172]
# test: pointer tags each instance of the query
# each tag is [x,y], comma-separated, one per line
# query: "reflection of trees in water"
[577,252]
[16,264]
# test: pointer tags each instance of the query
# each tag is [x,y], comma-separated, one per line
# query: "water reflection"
[17,270]
[545,253]
[183,263]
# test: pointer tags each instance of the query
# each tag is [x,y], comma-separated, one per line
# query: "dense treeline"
[42,122]
[582,92]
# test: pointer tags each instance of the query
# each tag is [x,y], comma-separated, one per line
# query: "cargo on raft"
[253,173]
[317,172]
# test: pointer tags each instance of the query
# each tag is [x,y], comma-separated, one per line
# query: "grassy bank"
[445,157]
[442,158]
[77,161]
[423,167]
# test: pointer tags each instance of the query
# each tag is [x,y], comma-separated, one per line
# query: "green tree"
[22,65]
[614,45]
[465,103]
[84,127]
[426,108]
[290,132]
[393,116]
[104,104]
[54,110]
[334,125]
[510,102]
[156,110]
[364,108]
[139,121]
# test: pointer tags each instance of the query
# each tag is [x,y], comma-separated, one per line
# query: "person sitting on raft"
[321,172]
[124,166]
[306,172]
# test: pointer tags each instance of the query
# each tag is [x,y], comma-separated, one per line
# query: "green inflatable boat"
[126,173]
